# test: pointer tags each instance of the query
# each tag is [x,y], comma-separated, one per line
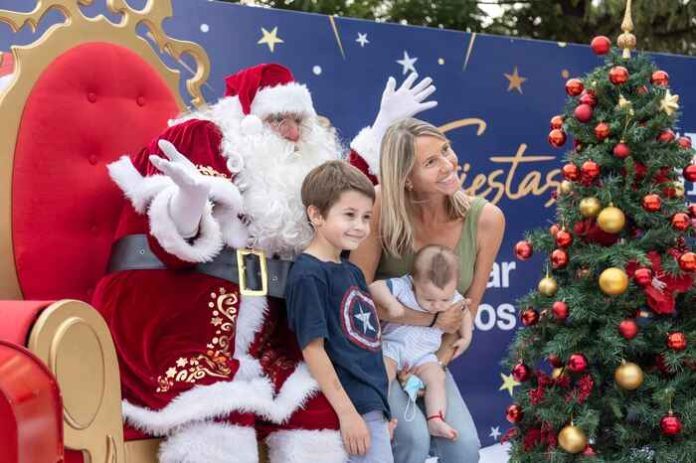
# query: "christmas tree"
[607,359]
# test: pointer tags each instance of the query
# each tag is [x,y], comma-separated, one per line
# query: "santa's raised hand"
[188,203]
[406,101]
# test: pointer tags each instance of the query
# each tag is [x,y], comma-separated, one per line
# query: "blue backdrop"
[501,91]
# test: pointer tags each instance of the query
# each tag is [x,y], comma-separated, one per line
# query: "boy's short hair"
[435,263]
[323,186]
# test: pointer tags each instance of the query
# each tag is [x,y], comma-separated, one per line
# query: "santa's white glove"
[188,202]
[407,101]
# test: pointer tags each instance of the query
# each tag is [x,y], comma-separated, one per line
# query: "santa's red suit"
[207,367]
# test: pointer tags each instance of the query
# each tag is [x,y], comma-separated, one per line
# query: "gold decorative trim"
[76,29]
[74,341]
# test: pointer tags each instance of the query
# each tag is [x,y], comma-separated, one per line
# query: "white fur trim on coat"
[203,248]
[219,399]
[289,98]
[138,189]
[302,446]
[367,145]
[210,443]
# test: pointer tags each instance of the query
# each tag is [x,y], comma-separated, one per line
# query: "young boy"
[332,314]
[431,287]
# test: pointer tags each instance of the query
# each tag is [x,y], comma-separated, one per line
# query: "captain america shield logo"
[359,320]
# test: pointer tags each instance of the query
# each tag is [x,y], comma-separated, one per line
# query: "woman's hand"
[450,320]
[354,432]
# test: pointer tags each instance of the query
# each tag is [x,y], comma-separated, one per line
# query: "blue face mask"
[412,386]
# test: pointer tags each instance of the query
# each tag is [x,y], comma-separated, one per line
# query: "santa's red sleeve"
[150,193]
[364,153]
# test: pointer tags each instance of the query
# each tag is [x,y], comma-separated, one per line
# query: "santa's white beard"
[270,174]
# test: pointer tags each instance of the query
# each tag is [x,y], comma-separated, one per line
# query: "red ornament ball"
[571,172]
[555,360]
[521,372]
[589,452]
[652,203]
[659,79]
[670,424]
[684,142]
[564,238]
[676,340]
[530,317]
[628,328]
[583,113]
[690,173]
[577,363]
[574,87]
[524,250]
[557,138]
[666,136]
[554,229]
[618,75]
[557,122]
[590,170]
[692,210]
[560,310]
[681,221]
[687,262]
[589,98]
[514,413]
[622,151]
[643,276]
[601,45]
[602,131]
[559,259]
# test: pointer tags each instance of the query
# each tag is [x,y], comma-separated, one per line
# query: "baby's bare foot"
[438,427]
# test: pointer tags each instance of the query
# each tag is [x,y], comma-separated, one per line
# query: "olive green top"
[390,267]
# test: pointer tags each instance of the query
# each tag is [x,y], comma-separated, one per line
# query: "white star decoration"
[495,432]
[364,317]
[407,63]
[362,39]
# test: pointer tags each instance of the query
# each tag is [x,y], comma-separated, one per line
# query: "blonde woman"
[420,202]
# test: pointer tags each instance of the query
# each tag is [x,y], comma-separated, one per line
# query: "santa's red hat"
[267,89]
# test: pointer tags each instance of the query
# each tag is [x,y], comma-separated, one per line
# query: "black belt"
[260,275]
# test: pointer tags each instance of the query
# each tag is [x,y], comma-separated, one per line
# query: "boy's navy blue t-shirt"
[331,301]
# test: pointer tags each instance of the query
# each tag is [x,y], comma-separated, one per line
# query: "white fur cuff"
[210,443]
[203,249]
[301,446]
[367,145]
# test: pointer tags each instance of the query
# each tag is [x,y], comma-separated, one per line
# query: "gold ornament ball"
[572,439]
[590,207]
[566,187]
[629,376]
[557,372]
[613,281]
[679,190]
[548,286]
[611,219]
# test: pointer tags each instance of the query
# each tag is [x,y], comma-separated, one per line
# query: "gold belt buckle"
[244,291]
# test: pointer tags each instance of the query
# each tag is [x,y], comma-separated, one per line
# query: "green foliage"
[660,25]
[624,426]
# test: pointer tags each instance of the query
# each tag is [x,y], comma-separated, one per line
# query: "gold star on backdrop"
[509,383]
[270,38]
[515,81]
[669,103]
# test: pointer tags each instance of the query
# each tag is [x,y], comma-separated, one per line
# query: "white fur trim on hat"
[210,443]
[367,145]
[288,98]
[203,248]
[303,446]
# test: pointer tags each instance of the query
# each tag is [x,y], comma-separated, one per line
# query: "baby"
[431,287]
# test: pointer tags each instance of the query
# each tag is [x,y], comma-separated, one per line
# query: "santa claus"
[193,296]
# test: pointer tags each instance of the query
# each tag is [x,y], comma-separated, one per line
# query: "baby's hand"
[460,346]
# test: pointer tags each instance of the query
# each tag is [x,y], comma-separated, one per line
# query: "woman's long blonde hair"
[397,158]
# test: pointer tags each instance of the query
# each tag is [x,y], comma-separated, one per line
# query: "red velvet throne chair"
[86,92]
